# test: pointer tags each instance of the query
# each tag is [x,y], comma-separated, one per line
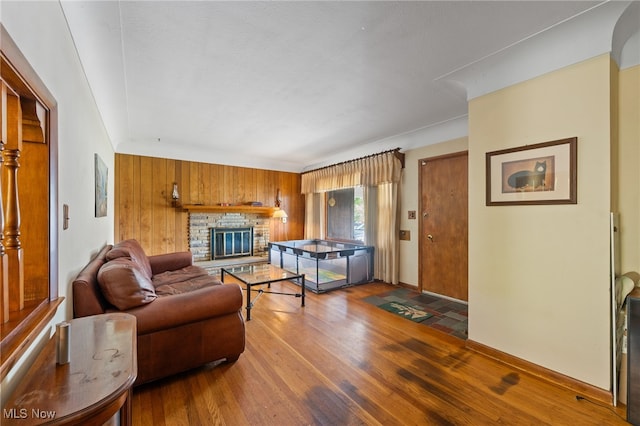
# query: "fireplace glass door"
[231,242]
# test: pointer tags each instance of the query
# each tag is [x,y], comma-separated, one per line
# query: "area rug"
[413,313]
[444,315]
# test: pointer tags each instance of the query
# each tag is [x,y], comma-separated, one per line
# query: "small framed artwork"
[101,186]
[543,173]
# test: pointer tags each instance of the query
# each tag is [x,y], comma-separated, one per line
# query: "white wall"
[40,32]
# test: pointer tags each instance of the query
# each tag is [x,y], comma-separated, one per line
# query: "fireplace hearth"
[231,242]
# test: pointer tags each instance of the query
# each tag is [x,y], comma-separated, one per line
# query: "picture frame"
[542,173]
[101,180]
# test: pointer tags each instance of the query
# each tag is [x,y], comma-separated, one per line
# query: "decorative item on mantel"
[175,196]
[278,198]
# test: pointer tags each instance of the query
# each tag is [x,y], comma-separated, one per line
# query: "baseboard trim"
[580,388]
[409,286]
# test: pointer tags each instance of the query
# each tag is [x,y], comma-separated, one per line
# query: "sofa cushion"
[186,286]
[124,284]
[182,274]
[132,250]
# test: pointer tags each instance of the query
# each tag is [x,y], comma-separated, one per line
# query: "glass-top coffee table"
[261,274]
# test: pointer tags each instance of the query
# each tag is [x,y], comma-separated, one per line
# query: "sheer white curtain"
[380,176]
[382,230]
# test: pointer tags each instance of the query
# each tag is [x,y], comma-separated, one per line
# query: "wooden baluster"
[4,271]
[4,266]
[12,137]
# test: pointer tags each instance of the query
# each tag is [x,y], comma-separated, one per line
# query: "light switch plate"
[65,216]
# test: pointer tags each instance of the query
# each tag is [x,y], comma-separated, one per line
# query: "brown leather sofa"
[185,317]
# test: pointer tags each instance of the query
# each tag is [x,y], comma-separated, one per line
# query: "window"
[345,214]
[28,236]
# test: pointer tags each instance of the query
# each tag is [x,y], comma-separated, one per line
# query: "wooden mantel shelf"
[259,210]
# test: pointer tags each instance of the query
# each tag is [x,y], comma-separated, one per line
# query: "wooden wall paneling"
[169,211]
[296,228]
[194,184]
[241,184]
[214,182]
[227,190]
[277,228]
[268,190]
[179,218]
[184,184]
[289,186]
[145,209]
[116,194]
[183,173]
[204,179]
[137,196]
[251,188]
[120,201]
[217,184]
[204,187]
[237,185]
[261,183]
[146,201]
[157,205]
[287,190]
[123,196]
[161,195]
[34,217]
[233,184]
[298,202]
[156,190]
[253,193]
[274,186]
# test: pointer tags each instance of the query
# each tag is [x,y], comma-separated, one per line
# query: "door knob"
[430,237]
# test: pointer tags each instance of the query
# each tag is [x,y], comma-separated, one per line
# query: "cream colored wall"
[410,200]
[628,173]
[539,275]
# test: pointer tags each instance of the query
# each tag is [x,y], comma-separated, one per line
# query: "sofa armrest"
[185,308]
[169,262]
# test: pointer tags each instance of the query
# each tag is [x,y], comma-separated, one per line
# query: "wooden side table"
[91,388]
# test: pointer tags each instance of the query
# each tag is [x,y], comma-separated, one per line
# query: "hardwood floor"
[342,361]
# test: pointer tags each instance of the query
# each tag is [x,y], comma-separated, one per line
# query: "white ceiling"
[286,85]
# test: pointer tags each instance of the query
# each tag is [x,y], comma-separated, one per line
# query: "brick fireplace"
[201,224]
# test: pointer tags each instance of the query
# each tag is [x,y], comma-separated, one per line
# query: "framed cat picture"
[542,173]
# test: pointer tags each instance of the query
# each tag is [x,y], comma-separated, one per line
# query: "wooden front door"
[443,254]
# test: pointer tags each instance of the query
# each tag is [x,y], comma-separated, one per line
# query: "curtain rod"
[395,151]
